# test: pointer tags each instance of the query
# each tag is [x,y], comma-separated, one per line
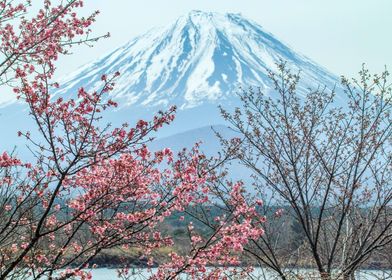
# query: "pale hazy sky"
[338,34]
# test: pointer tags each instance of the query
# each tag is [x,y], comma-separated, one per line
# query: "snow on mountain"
[200,58]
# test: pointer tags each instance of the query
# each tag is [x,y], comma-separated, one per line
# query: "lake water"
[257,274]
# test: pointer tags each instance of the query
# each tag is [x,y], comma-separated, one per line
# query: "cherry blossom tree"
[91,186]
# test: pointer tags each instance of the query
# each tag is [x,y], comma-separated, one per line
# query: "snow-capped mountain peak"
[202,57]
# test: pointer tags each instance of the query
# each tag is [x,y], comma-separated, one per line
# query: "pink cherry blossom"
[92,187]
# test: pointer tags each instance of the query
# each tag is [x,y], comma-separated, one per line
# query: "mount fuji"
[200,58]
[197,63]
